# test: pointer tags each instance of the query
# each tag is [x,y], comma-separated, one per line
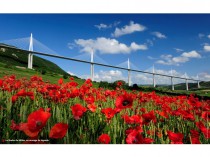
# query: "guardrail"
[30,65]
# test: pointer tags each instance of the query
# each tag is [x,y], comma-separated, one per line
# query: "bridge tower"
[129,73]
[172,81]
[92,66]
[153,71]
[30,55]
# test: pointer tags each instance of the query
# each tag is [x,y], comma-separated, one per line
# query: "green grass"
[51,77]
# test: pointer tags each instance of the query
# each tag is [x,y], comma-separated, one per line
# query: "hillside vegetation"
[12,57]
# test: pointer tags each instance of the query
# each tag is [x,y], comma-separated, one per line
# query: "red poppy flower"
[71,78]
[135,137]
[129,130]
[108,112]
[135,119]
[124,101]
[60,81]
[1,83]
[176,138]
[143,110]
[36,121]
[21,92]
[150,116]
[92,107]
[58,130]
[78,111]
[204,130]
[195,137]
[119,83]
[90,100]
[187,115]
[206,115]
[14,98]
[163,114]
[104,139]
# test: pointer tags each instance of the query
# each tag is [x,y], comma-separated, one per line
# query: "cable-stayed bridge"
[33,46]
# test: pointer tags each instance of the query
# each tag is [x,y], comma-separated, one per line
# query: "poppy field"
[33,111]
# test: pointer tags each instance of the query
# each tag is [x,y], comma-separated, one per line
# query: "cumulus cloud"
[128,29]
[184,57]
[206,48]
[102,26]
[180,59]
[105,26]
[204,76]
[108,46]
[109,76]
[192,54]
[159,35]
[208,36]
[140,78]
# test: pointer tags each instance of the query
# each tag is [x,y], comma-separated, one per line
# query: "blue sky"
[169,41]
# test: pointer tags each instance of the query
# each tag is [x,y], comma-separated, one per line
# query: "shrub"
[104,84]
[65,76]
[43,71]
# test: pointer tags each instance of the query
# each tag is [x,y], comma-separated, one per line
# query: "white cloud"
[71,45]
[204,76]
[180,59]
[102,26]
[159,35]
[140,78]
[166,57]
[206,48]
[108,46]
[178,50]
[106,26]
[208,36]
[69,72]
[109,76]
[135,46]
[184,57]
[201,35]
[128,29]
[192,54]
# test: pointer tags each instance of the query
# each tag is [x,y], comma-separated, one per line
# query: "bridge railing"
[153,74]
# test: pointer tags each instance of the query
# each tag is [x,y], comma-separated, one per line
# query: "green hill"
[12,57]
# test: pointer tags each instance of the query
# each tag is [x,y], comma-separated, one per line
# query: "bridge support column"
[129,78]
[187,88]
[92,67]
[172,83]
[199,85]
[129,73]
[29,61]
[154,84]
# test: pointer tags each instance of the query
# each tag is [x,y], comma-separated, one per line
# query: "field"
[36,111]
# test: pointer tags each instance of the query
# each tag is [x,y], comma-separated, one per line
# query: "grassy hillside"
[12,57]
